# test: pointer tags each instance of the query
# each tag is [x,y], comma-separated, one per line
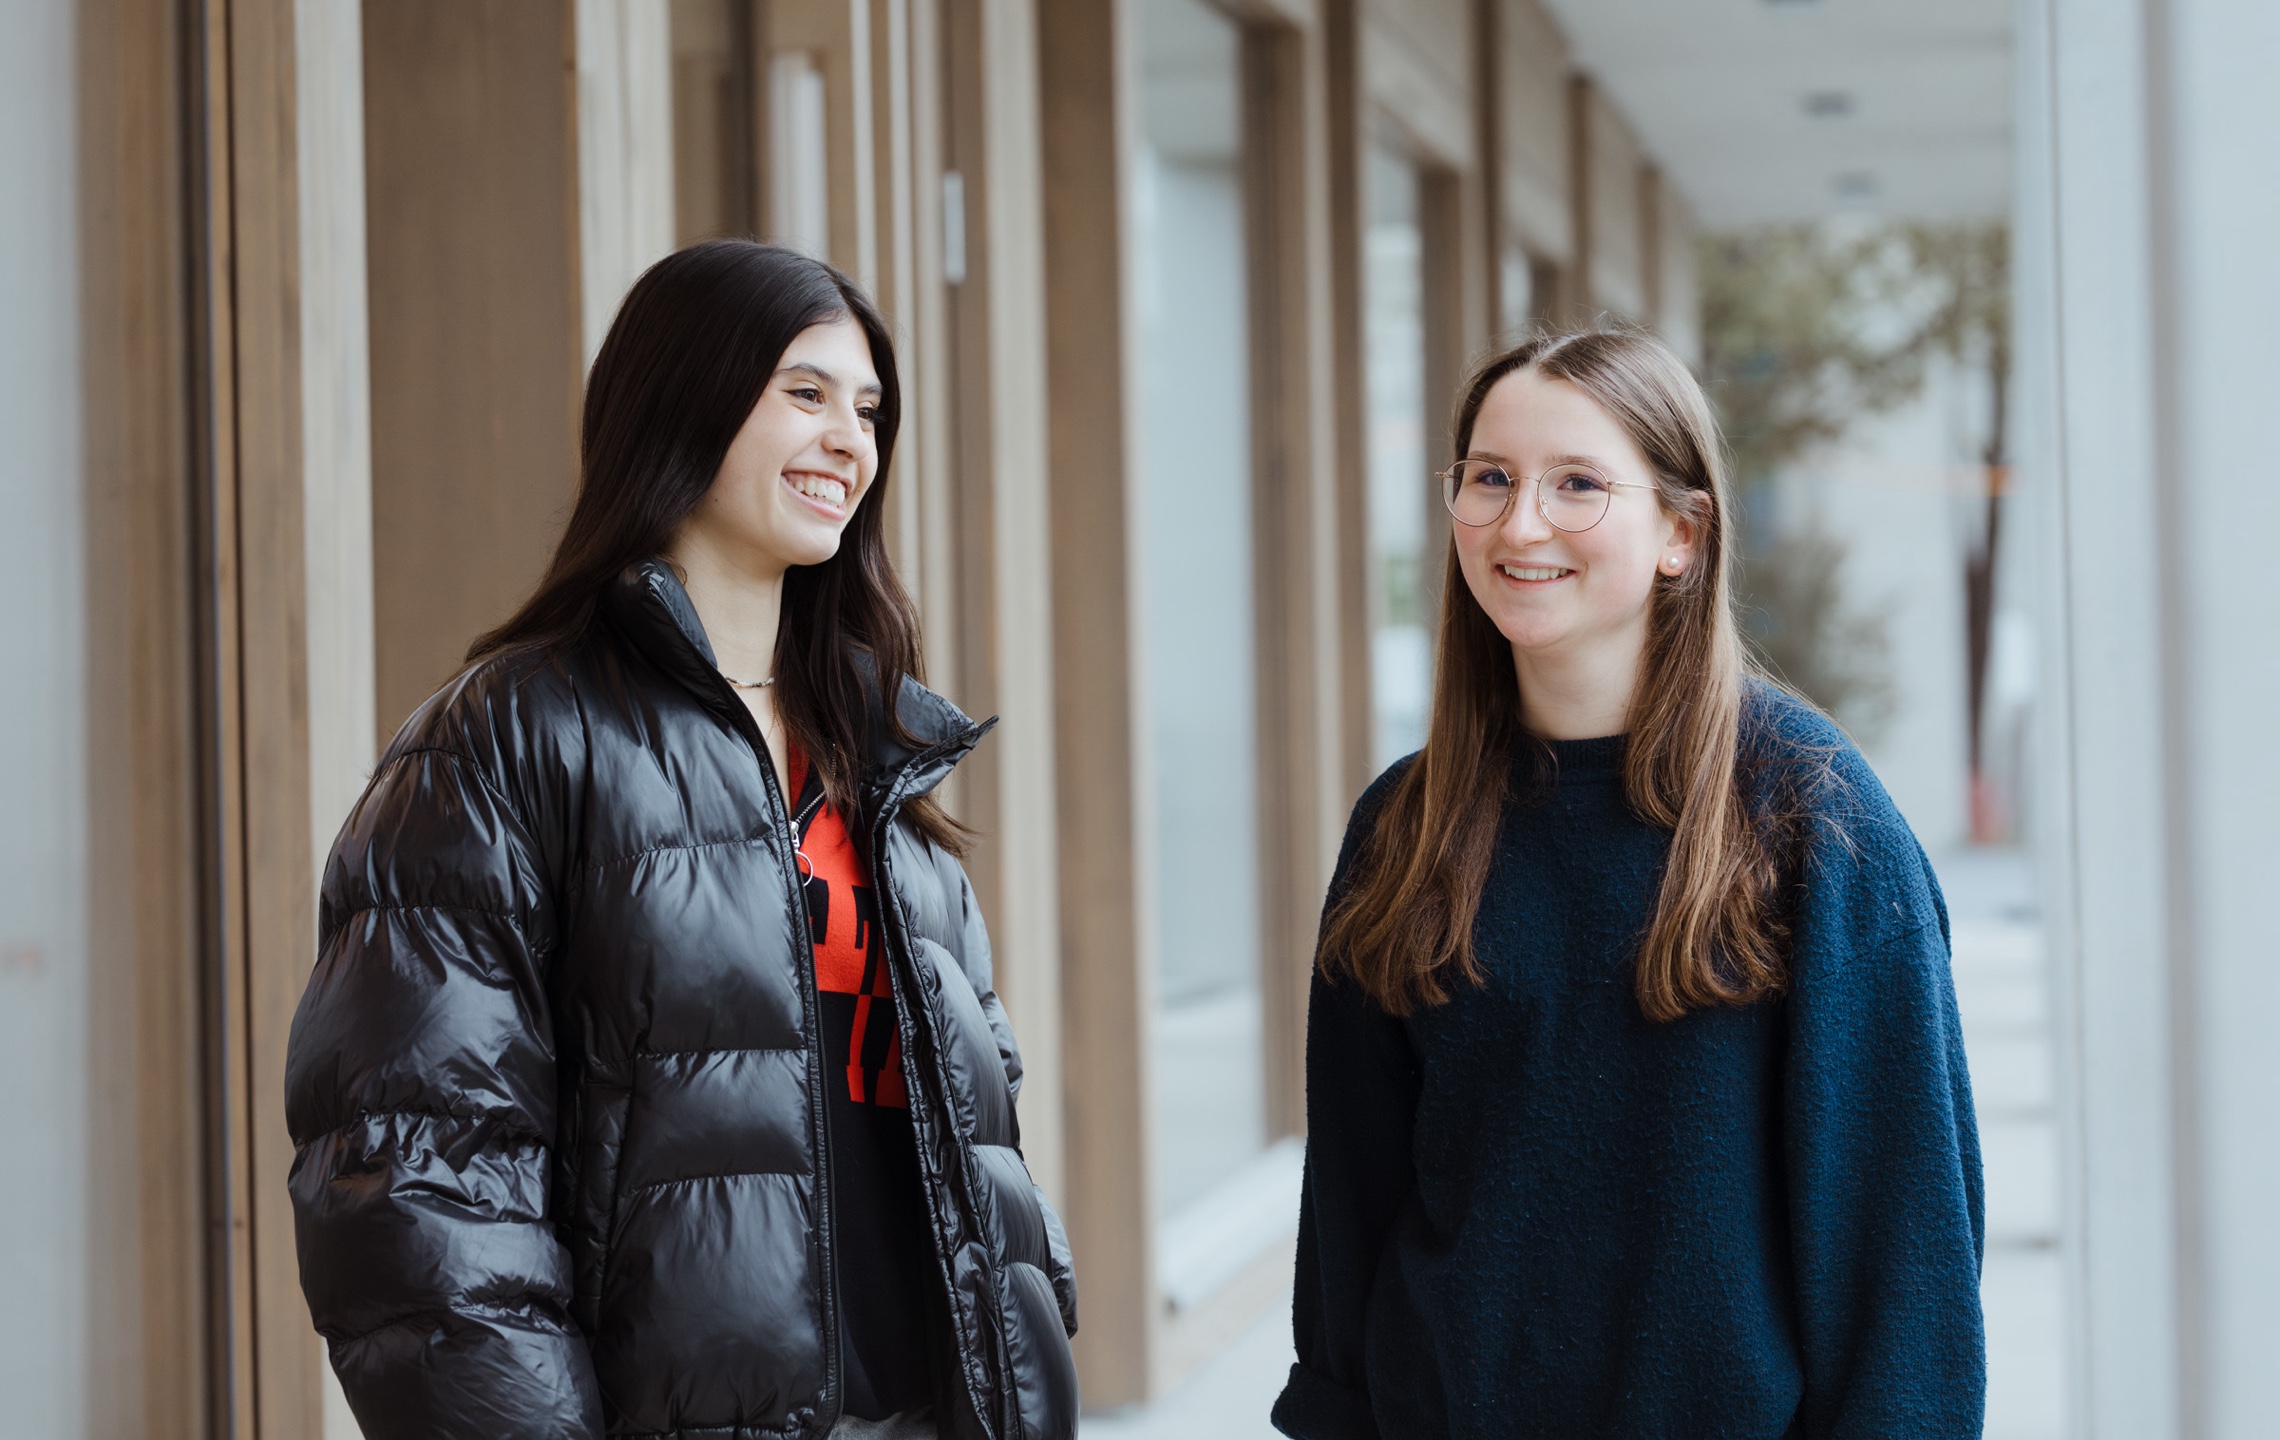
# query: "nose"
[1524,523]
[845,436]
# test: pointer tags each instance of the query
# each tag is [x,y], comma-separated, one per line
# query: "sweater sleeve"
[421,1097]
[1887,1217]
[1361,1111]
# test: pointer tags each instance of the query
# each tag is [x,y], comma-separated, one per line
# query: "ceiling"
[1781,110]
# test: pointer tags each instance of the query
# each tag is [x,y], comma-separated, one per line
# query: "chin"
[808,550]
[1529,632]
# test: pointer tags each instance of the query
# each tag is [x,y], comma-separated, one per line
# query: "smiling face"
[802,462]
[1560,597]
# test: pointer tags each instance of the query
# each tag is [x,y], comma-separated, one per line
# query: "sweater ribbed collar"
[1576,761]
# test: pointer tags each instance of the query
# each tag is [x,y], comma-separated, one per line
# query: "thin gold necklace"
[737,684]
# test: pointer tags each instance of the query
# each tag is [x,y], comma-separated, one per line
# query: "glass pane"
[1195,482]
[1400,471]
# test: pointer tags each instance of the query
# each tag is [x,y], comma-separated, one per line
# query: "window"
[1197,574]
[1399,481]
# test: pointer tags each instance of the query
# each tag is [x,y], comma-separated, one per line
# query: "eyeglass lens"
[1571,497]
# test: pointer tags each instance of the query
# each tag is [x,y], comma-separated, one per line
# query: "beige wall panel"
[147,1316]
[1618,257]
[715,131]
[1346,107]
[995,461]
[1083,57]
[1532,109]
[906,107]
[1418,78]
[260,542]
[1290,508]
[1301,15]
[625,152]
[1323,119]
[1678,295]
[472,191]
[838,35]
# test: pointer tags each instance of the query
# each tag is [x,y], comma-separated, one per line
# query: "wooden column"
[251,548]
[837,36]
[1293,509]
[151,1348]
[998,527]
[1347,154]
[1578,300]
[476,364]
[1458,276]
[1083,60]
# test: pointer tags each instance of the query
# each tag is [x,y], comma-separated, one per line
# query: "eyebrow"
[1557,460]
[802,367]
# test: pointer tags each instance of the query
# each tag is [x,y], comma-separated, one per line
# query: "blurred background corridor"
[299,295]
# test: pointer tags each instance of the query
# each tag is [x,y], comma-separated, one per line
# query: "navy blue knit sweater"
[1530,1211]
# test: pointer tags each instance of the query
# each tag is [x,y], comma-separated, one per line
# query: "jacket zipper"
[819,1125]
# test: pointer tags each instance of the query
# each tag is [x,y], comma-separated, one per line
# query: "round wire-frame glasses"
[1572,498]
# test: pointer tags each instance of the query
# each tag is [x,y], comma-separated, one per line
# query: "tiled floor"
[2003,992]
[1227,1400]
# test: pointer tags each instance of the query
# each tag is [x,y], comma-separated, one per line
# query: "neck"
[739,598]
[1580,692]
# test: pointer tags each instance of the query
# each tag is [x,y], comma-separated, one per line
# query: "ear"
[1683,533]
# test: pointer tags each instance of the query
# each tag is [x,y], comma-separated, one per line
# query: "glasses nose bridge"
[1525,510]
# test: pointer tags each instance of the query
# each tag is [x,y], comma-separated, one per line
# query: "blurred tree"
[1807,330]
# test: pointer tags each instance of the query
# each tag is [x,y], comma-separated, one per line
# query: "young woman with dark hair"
[1635,1089]
[651,1080]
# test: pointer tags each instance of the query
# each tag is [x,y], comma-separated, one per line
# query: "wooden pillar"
[836,37]
[251,548]
[1293,512]
[470,111]
[998,610]
[1083,59]
[1347,155]
[152,1350]
[1577,297]
[1457,266]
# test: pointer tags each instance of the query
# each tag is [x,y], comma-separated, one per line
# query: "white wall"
[43,763]
[2226,353]
[2150,305]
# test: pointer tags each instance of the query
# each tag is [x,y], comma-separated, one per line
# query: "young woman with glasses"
[651,1080]
[1635,1088]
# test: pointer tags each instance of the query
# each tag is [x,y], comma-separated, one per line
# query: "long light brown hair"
[1402,923]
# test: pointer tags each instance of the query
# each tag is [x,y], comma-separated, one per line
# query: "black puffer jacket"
[562,1169]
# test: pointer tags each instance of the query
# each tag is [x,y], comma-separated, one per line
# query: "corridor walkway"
[2003,990]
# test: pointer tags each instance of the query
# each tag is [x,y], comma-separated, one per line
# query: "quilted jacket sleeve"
[420,1093]
[974,958]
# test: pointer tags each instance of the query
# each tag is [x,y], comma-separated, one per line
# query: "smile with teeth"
[820,487]
[1535,572]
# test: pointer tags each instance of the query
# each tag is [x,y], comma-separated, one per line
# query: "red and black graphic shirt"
[878,1210]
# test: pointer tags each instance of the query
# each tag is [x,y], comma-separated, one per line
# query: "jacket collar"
[651,607]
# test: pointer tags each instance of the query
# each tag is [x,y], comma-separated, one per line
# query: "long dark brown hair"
[1403,922]
[688,356]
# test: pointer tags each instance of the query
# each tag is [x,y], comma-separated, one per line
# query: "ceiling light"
[1829,104]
